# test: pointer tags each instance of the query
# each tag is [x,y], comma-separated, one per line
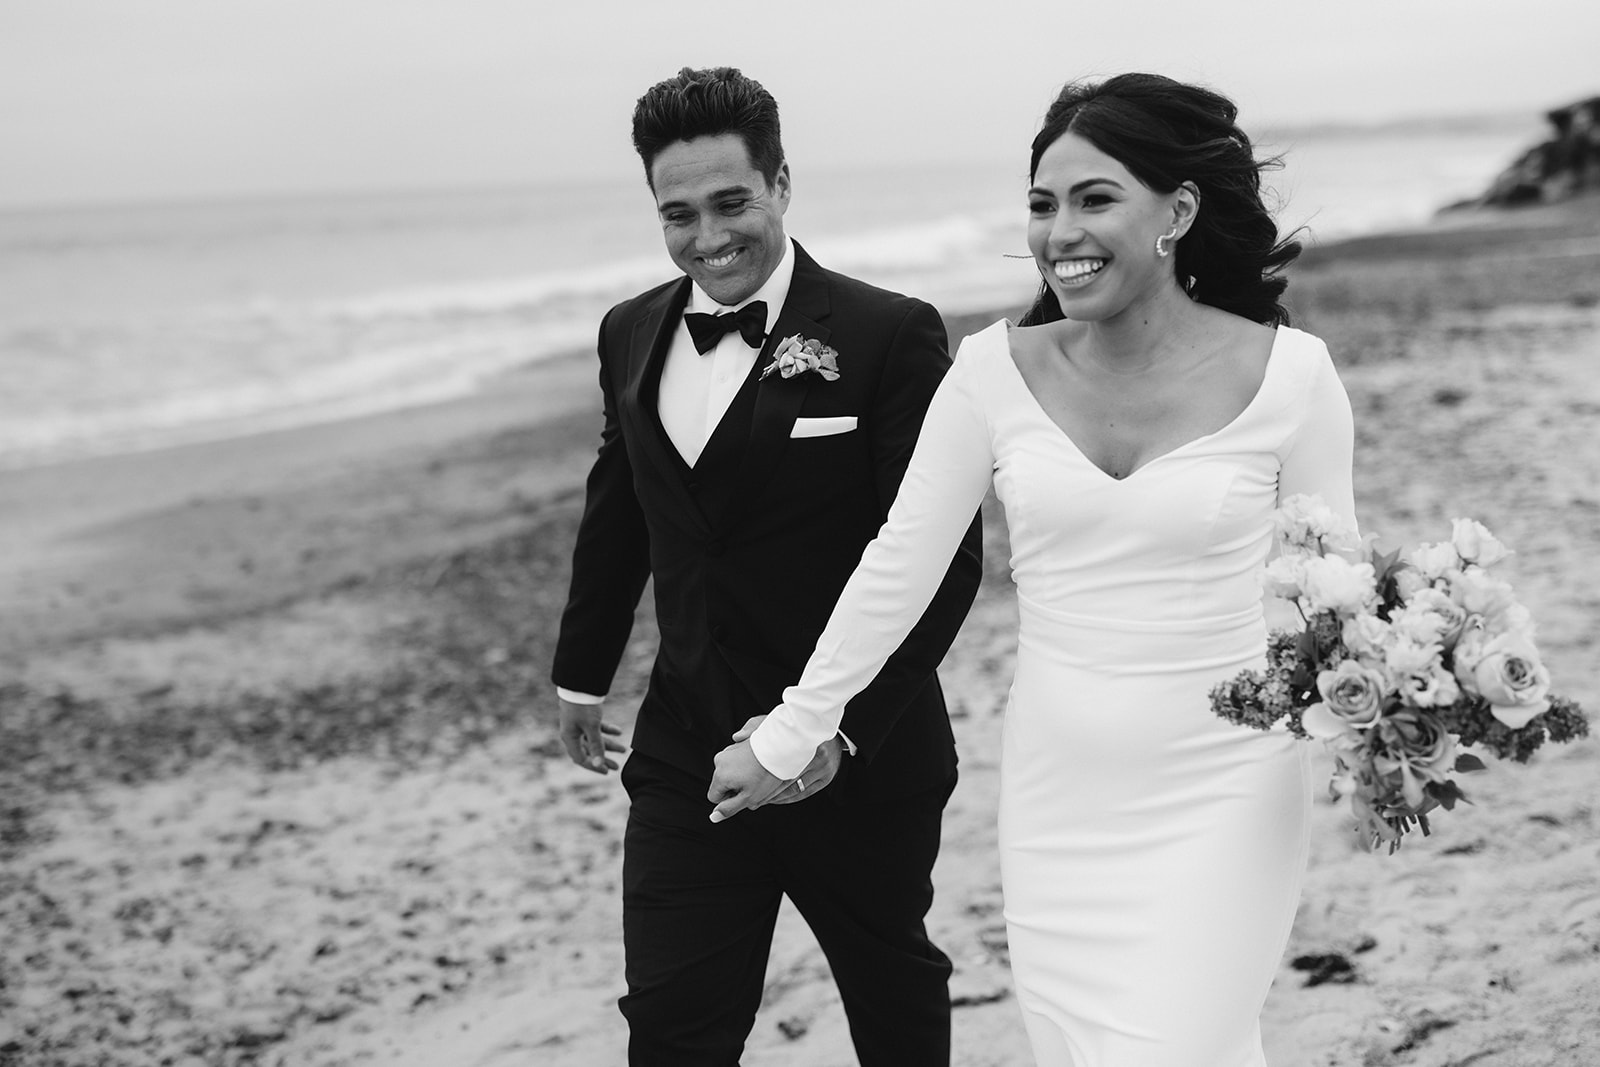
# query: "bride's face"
[1092,229]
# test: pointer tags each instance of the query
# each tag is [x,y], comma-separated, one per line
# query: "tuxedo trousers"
[700,901]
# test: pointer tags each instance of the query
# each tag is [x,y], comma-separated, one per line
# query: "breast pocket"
[823,427]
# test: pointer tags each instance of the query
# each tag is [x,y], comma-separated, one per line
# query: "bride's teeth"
[1073,269]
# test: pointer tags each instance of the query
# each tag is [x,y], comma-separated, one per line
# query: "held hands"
[588,738]
[740,781]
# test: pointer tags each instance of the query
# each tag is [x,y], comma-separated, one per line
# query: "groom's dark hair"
[707,103]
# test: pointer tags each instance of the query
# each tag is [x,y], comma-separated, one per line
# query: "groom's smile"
[721,217]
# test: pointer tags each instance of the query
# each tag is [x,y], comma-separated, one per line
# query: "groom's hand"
[818,773]
[587,737]
[739,782]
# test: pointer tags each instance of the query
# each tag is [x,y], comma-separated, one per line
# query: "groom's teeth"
[1075,269]
[722,261]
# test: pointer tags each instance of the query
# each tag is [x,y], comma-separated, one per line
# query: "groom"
[748,497]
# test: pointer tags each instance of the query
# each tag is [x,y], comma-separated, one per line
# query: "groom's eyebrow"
[716,194]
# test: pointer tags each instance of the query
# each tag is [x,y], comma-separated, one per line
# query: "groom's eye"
[733,207]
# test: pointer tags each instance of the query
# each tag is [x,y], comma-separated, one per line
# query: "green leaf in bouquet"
[1446,793]
[1303,679]
[1386,569]
[1468,762]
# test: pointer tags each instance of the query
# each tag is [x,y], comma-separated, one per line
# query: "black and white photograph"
[869,534]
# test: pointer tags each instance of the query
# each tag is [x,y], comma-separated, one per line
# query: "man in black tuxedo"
[749,498]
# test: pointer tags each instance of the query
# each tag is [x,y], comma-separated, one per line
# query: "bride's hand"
[739,782]
[818,773]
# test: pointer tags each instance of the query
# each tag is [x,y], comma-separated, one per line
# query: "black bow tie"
[750,321]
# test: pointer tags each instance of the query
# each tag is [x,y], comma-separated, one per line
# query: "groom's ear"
[781,187]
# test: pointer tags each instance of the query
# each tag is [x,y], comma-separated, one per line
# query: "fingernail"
[717,816]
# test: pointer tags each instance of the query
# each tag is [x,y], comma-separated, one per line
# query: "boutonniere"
[796,355]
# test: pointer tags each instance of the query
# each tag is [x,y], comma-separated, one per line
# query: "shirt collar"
[775,290]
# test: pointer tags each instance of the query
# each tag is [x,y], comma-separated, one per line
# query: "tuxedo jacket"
[750,547]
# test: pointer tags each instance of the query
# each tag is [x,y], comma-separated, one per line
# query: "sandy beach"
[279,782]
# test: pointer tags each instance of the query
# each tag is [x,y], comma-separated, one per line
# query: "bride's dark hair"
[1166,133]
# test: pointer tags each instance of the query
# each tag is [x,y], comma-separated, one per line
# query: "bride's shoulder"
[991,334]
[990,343]
[1303,350]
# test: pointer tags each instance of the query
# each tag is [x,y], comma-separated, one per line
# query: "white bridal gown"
[1151,854]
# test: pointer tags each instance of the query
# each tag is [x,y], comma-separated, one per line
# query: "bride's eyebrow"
[1040,190]
[1088,182]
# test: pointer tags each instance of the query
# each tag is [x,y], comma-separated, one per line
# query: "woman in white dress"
[1139,426]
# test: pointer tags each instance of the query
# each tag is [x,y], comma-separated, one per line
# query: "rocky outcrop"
[1565,165]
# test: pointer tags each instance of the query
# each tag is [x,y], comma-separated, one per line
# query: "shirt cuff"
[849,745]
[781,748]
[572,696]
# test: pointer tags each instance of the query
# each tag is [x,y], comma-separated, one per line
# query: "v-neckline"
[1266,374]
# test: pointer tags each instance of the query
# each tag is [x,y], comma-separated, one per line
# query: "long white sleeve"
[1319,456]
[899,572]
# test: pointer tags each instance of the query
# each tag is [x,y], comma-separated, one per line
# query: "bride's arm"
[1320,455]
[898,575]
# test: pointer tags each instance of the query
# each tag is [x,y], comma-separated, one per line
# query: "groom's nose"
[711,237]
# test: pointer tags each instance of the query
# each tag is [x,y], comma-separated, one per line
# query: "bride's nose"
[1064,235]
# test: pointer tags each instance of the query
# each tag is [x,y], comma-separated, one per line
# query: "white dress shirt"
[696,389]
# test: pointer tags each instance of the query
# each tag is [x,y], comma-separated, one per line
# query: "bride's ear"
[1185,206]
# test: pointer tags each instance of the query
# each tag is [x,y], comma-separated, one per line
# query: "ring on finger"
[800,784]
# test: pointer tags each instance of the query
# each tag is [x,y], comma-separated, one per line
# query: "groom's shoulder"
[644,302]
[853,292]
[617,323]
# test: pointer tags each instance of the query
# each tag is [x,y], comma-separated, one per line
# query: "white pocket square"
[823,427]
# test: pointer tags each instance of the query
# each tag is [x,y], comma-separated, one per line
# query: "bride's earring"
[1162,248]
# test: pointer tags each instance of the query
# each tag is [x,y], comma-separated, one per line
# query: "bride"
[1139,425]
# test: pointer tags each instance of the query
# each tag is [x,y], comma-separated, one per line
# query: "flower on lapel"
[796,355]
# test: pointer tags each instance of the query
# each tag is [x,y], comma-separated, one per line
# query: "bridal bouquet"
[1403,663]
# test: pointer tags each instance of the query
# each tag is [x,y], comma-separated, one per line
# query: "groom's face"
[722,221]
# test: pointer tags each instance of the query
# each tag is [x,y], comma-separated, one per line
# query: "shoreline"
[278,781]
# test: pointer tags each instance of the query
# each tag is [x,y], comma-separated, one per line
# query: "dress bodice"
[1181,538]
[1174,548]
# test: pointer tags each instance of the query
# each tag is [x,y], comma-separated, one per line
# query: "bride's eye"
[1040,207]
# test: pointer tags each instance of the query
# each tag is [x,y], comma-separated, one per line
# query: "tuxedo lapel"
[647,355]
[778,400]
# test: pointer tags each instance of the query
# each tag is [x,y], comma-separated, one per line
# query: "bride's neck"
[1143,336]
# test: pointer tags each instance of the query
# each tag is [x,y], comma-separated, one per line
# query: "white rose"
[1304,522]
[1475,544]
[1418,623]
[1435,559]
[1511,678]
[1281,577]
[1365,635]
[1409,582]
[1468,651]
[1512,618]
[1343,540]
[1481,593]
[1452,616]
[1330,583]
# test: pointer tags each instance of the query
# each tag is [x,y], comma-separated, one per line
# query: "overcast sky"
[161,99]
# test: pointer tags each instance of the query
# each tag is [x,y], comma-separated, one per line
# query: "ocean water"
[135,327]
